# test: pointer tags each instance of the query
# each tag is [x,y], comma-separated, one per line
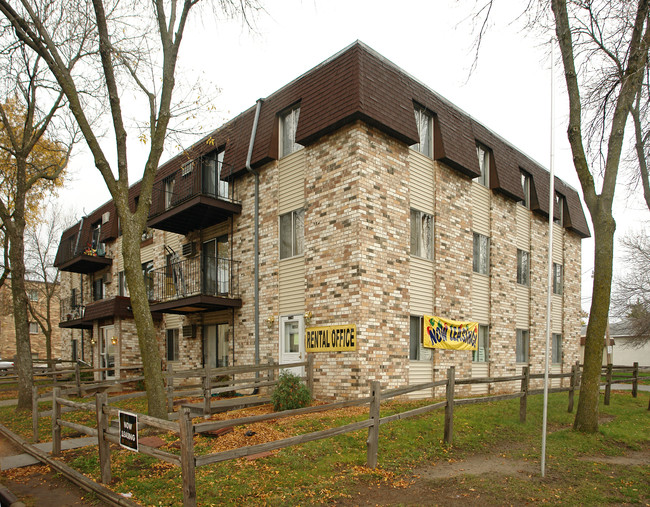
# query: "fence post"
[270,374]
[523,401]
[77,378]
[372,444]
[170,387]
[188,462]
[635,382]
[310,373]
[56,415]
[206,392]
[573,385]
[449,407]
[608,385]
[102,429]
[35,414]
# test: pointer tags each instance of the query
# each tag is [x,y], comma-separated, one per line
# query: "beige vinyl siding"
[419,373]
[480,209]
[221,317]
[480,298]
[556,313]
[421,286]
[480,370]
[292,285]
[555,382]
[522,217]
[422,187]
[523,306]
[173,241]
[291,176]
[558,244]
[173,321]
[146,253]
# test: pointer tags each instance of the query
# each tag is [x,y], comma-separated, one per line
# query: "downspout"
[256,234]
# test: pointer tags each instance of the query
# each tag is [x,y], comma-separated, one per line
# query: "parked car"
[5,366]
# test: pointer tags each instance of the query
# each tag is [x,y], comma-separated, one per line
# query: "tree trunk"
[149,350]
[23,360]
[587,414]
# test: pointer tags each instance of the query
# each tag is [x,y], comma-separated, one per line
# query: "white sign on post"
[128,430]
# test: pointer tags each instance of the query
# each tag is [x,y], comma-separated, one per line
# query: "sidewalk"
[23,460]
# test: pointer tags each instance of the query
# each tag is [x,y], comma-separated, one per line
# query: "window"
[480,355]
[523,268]
[525,186]
[481,253]
[212,183]
[558,217]
[417,350]
[558,275]
[556,348]
[172,345]
[421,234]
[169,190]
[424,122]
[32,295]
[147,272]
[483,164]
[98,289]
[292,231]
[288,127]
[523,338]
[33,328]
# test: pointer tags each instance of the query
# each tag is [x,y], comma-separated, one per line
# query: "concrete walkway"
[23,460]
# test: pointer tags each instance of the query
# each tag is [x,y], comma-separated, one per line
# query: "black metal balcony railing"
[72,308]
[79,258]
[199,276]
[200,178]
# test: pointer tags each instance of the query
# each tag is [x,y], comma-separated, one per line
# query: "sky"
[509,91]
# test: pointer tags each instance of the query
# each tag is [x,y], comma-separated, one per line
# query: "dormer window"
[559,210]
[288,127]
[424,122]
[525,187]
[212,168]
[483,154]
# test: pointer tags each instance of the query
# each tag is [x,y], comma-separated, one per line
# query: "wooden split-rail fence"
[187,460]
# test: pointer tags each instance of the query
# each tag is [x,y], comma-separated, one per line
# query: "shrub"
[290,393]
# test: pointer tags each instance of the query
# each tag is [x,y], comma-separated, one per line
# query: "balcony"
[72,314]
[194,197]
[195,285]
[82,260]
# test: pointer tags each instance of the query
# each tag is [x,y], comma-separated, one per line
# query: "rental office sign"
[331,338]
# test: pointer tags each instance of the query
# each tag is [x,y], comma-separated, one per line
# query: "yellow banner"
[331,338]
[441,333]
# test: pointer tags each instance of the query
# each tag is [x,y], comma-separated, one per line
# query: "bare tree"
[30,163]
[130,46]
[41,243]
[631,291]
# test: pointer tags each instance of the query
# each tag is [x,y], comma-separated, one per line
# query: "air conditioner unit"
[189,331]
[189,249]
[106,217]
[108,277]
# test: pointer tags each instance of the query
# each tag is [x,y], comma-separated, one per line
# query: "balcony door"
[212,183]
[292,342]
[216,266]
[216,352]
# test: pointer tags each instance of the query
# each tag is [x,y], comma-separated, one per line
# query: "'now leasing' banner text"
[439,333]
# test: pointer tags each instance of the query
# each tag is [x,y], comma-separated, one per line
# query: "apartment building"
[371,201]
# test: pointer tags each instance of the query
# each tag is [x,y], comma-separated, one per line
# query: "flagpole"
[549,301]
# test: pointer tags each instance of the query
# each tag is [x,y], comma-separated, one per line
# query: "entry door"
[107,351]
[216,349]
[292,342]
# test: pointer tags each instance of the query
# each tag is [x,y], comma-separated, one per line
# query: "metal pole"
[549,300]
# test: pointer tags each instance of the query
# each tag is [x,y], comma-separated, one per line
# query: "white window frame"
[558,279]
[525,187]
[420,353]
[288,128]
[556,348]
[481,245]
[424,122]
[522,349]
[174,336]
[295,220]
[483,154]
[421,239]
[483,345]
[33,328]
[523,267]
